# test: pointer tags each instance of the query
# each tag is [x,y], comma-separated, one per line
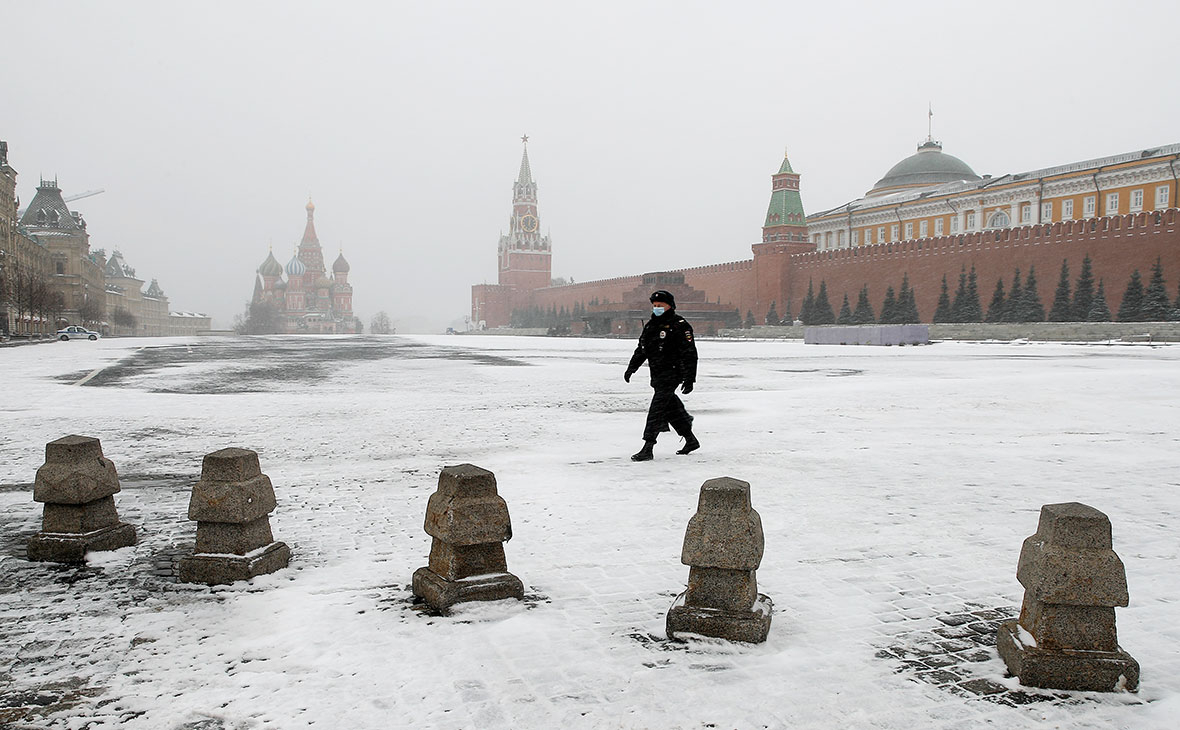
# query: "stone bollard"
[77,485]
[232,503]
[723,548]
[1065,637]
[469,523]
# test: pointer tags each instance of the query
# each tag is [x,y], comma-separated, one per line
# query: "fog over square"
[653,128]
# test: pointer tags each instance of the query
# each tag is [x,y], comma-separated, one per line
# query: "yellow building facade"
[931,194]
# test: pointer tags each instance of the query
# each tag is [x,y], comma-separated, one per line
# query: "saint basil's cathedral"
[308,301]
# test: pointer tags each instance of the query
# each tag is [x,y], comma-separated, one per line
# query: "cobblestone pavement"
[61,623]
[889,568]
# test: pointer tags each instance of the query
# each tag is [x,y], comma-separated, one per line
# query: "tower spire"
[526,173]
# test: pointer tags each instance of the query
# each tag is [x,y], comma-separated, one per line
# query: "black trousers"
[666,409]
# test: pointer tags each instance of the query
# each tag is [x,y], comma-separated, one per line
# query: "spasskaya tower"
[524,254]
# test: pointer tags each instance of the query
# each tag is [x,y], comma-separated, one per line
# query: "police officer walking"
[667,345]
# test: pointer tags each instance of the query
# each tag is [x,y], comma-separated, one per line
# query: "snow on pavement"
[895,487]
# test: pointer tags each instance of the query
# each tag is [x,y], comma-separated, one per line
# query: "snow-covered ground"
[895,487]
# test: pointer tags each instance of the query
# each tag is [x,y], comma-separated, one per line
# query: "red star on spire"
[525,139]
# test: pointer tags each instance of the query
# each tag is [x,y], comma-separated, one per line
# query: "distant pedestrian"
[667,345]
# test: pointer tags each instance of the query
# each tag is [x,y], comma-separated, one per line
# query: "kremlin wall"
[996,225]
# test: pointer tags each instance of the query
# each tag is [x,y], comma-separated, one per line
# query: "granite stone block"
[75,472]
[230,465]
[67,547]
[463,561]
[233,502]
[1065,637]
[227,569]
[723,547]
[730,590]
[79,517]
[236,538]
[468,521]
[1071,669]
[440,593]
[751,626]
[725,532]
[466,508]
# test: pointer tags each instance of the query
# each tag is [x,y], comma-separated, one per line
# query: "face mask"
[657,311]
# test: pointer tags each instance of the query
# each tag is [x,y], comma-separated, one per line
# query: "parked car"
[76,332]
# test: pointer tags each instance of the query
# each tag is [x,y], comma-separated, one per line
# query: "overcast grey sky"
[653,127]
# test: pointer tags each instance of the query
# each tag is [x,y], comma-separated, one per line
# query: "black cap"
[664,296]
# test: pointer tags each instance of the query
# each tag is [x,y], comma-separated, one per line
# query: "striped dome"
[295,267]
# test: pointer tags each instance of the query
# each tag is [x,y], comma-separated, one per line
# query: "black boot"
[690,444]
[644,454]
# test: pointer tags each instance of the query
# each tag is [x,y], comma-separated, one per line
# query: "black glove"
[687,387]
[627,376]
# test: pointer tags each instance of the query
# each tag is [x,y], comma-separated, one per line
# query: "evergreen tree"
[1032,310]
[808,305]
[995,310]
[959,307]
[845,313]
[1131,308]
[889,307]
[1083,293]
[787,318]
[1012,307]
[942,312]
[907,307]
[1062,310]
[772,315]
[1156,305]
[1099,312]
[822,312]
[973,310]
[864,311]
[749,319]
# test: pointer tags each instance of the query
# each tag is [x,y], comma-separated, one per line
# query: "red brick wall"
[603,290]
[527,270]
[492,304]
[1116,247]
[732,282]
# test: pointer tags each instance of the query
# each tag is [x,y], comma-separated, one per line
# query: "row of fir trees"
[899,307]
[1019,301]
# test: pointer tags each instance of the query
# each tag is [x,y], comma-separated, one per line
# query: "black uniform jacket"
[667,344]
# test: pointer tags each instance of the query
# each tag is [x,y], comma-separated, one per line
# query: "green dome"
[928,166]
[271,267]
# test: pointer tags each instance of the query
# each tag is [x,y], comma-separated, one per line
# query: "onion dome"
[271,267]
[295,267]
[928,166]
[341,266]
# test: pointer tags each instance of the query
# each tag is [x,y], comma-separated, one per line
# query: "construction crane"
[79,196]
[70,198]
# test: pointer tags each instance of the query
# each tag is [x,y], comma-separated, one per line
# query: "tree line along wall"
[1116,246]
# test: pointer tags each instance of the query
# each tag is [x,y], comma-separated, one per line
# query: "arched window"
[999,219]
